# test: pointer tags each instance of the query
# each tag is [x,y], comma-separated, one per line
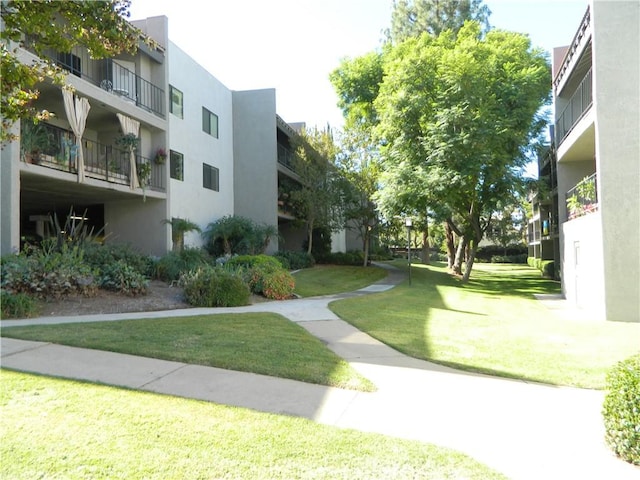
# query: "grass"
[491,325]
[54,428]
[263,343]
[330,279]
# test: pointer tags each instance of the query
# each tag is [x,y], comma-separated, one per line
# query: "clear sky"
[293,45]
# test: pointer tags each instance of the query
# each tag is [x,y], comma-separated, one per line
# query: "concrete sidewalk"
[525,430]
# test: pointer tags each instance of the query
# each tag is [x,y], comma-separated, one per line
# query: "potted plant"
[34,138]
[128,142]
[161,156]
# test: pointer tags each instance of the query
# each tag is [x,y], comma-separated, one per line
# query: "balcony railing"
[111,76]
[583,198]
[286,157]
[57,149]
[580,102]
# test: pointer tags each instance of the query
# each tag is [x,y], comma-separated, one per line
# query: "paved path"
[525,430]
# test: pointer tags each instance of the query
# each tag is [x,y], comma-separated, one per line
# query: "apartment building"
[597,130]
[203,152]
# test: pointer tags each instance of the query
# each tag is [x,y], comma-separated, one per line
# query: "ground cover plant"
[263,343]
[54,428]
[493,325]
[330,279]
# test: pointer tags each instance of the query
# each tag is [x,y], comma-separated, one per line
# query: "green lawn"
[263,343]
[330,279]
[53,428]
[492,325]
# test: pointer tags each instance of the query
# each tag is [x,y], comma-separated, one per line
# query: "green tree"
[459,112]
[359,171]
[410,18]
[316,202]
[101,27]
[180,226]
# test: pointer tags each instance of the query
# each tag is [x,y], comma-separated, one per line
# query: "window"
[209,122]
[175,105]
[176,165]
[210,177]
[70,62]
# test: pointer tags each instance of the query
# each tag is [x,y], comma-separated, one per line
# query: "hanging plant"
[161,156]
[144,177]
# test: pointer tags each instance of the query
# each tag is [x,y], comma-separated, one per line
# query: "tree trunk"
[470,260]
[366,247]
[451,246]
[310,237]
[457,264]
[426,250]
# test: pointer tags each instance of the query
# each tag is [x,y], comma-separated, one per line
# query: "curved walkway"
[525,430]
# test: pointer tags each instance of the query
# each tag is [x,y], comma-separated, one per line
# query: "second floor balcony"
[583,198]
[55,148]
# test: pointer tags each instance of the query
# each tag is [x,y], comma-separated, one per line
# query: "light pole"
[408,223]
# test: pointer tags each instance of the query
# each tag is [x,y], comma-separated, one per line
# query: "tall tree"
[410,18]
[359,170]
[461,111]
[316,201]
[101,27]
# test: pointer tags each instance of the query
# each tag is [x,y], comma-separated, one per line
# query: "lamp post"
[409,223]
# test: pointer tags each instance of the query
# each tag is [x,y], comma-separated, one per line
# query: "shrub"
[122,277]
[47,272]
[531,262]
[621,410]
[250,261]
[485,253]
[214,287]
[17,305]
[296,260]
[548,268]
[278,285]
[237,235]
[352,257]
[100,256]
[173,264]
[521,258]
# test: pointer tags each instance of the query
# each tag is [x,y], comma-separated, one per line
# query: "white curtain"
[77,110]
[131,126]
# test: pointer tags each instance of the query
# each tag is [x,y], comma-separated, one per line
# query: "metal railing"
[58,150]
[579,103]
[286,157]
[109,75]
[583,198]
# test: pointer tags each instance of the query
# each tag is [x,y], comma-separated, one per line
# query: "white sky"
[293,45]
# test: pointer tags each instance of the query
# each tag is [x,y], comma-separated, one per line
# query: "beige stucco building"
[596,89]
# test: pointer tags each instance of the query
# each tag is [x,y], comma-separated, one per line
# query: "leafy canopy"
[100,27]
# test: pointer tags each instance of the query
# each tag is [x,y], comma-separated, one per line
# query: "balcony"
[579,103]
[111,76]
[286,157]
[583,198]
[55,148]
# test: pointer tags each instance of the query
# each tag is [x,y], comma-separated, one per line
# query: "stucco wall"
[10,196]
[582,267]
[617,101]
[188,198]
[137,223]
[255,157]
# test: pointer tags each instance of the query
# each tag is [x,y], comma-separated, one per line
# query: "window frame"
[173,158]
[213,175]
[207,115]
[179,94]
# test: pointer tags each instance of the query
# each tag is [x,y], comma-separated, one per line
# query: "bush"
[100,256]
[17,305]
[48,273]
[485,253]
[214,287]
[352,257]
[295,260]
[122,277]
[621,410]
[173,264]
[278,285]
[548,268]
[521,258]
[250,261]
